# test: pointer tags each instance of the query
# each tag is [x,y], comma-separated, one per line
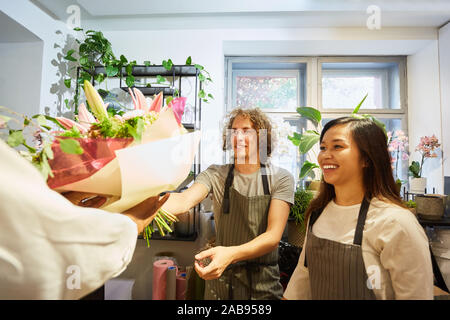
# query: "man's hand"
[220,258]
[143,213]
[85,199]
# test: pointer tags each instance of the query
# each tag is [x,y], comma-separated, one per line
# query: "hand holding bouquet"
[127,157]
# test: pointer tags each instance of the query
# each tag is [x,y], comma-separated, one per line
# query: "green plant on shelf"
[96,51]
[302,198]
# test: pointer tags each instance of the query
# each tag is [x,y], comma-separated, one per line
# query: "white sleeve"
[50,248]
[299,287]
[405,254]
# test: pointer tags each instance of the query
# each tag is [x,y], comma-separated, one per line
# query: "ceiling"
[175,14]
[11,31]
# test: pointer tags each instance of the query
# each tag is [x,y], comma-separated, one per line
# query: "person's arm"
[405,254]
[266,242]
[181,202]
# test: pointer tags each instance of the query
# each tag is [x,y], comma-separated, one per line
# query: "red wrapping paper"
[70,168]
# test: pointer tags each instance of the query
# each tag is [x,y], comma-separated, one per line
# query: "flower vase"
[418,185]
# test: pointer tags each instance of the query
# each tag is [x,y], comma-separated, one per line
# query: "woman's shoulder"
[388,212]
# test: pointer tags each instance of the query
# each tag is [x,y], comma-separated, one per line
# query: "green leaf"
[84,61]
[50,119]
[136,132]
[100,77]
[189,61]
[310,113]
[66,102]
[48,150]
[160,79]
[202,94]
[167,64]
[77,29]
[201,77]
[67,83]
[111,71]
[359,105]
[210,96]
[147,63]
[15,138]
[70,146]
[295,139]
[307,140]
[168,100]
[199,67]
[123,59]
[414,169]
[307,168]
[130,81]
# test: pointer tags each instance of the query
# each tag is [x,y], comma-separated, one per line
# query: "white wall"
[20,78]
[54,35]
[424,108]
[444,67]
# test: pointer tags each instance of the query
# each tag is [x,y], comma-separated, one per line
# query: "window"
[334,85]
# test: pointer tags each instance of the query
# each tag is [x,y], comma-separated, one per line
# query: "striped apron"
[243,219]
[337,270]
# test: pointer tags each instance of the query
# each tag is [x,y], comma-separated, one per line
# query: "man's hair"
[260,122]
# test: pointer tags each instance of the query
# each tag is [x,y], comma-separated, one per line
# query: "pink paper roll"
[181,286]
[159,278]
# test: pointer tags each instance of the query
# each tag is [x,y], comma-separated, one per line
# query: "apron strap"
[361,222]
[359,226]
[229,183]
[439,279]
[226,194]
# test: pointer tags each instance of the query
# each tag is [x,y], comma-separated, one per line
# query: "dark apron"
[337,270]
[243,219]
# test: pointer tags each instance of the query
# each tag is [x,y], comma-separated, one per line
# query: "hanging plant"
[96,51]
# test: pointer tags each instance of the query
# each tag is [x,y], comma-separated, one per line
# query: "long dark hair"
[378,180]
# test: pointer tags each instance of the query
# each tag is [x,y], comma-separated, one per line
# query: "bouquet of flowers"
[127,157]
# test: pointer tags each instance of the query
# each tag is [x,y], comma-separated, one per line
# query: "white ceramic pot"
[418,185]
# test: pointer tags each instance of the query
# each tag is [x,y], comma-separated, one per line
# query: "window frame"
[313,90]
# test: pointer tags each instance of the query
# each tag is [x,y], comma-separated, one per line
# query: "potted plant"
[296,221]
[426,148]
[309,138]
[411,205]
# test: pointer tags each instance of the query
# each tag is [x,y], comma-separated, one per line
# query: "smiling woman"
[358,229]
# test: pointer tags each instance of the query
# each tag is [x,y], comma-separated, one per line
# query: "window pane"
[345,84]
[285,154]
[266,92]
[269,86]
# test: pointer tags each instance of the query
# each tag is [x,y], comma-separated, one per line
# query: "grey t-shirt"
[281,183]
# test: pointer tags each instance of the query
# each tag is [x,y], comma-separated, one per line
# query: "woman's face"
[340,158]
[245,141]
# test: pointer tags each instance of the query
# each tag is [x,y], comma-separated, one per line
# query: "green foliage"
[70,146]
[410,204]
[306,141]
[95,50]
[302,198]
[414,169]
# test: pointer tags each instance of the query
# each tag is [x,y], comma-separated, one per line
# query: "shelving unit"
[174,77]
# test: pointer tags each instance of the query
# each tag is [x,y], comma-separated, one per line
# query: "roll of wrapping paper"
[171,283]
[181,286]
[159,278]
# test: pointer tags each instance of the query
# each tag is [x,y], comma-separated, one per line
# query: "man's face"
[244,140]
